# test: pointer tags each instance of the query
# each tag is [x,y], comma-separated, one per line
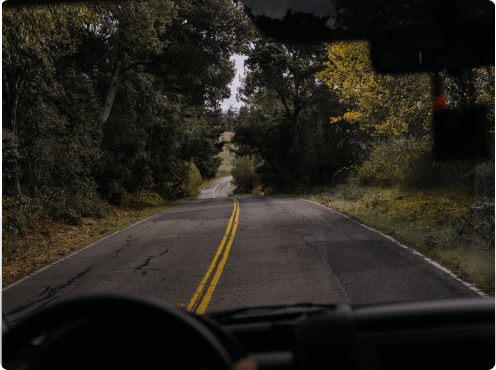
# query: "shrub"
[401,164]
[484,218]
[268,191]
[483,175]
[71,206]
[175,184]
[193,190]
[140,200]
[17,212]
[349,192]
[244,176]
[380,168]
[223,173]
[57,204]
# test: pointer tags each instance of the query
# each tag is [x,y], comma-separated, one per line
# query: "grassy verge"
[437,223]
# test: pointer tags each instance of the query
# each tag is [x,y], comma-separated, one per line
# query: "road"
[217,188]
[220,253]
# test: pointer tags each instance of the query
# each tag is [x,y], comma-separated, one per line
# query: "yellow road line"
[218,186]
[196,297]
[206,299]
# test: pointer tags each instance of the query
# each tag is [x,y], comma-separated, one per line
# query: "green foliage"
[171,63]
[244,176]
[483,175]
[57,204]
[141,200]
[268,191]
[350,193]
[71,206]
[384,106]
[484,218]
[194,182]
[399,163]
[16,213]
[286,120]
[10,158]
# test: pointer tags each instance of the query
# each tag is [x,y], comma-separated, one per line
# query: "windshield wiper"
[298,308]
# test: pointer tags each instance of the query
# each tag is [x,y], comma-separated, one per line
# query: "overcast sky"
[239,59]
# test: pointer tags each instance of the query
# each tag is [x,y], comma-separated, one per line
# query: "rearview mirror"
[432,48]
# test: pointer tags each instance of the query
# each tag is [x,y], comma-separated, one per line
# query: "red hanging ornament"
[440,103]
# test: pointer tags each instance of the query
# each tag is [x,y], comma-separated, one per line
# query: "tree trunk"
[114,86]
[13,97]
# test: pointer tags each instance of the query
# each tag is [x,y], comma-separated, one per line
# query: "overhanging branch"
[139,64]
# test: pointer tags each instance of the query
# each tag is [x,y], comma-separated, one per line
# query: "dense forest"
[320,115]
[104,100]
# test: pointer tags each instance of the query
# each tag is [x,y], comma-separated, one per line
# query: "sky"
[239,60]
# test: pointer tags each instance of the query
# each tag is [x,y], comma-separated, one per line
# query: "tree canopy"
[105,99]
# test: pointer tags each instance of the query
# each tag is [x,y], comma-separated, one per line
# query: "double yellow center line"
[203,294]
[218,186]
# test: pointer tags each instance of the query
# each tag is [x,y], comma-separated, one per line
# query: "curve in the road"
[217,189]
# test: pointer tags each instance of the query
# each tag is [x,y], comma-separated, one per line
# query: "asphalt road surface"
[217,189]
[220,253]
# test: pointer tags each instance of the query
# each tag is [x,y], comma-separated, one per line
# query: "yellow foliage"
[184,181]
[141,200]
[194,182]
[383,105]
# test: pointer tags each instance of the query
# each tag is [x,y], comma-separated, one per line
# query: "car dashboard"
[436,334]
[110,331]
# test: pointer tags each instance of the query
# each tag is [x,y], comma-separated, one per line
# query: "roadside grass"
[439,223]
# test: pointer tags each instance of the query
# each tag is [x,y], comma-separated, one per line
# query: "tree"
[384,106]
[34,37]
[285,122]
[289,72]
[194,38]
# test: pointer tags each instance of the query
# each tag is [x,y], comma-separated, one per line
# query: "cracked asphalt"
[285,251]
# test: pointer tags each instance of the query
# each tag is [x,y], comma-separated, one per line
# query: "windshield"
[169,148]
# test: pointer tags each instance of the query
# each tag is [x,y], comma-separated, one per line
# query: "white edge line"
[4,288]
[427,259]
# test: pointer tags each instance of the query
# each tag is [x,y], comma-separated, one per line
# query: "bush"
[484,218]
[244,176]
[141,200]
[350,192]
[268,191]
[72,206]
[17,212]
[194,182]
[380,168]
[397,164]
[483,175]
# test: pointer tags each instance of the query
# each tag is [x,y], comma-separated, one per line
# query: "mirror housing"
[433,48]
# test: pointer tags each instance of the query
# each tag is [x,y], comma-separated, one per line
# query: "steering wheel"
[118,331]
